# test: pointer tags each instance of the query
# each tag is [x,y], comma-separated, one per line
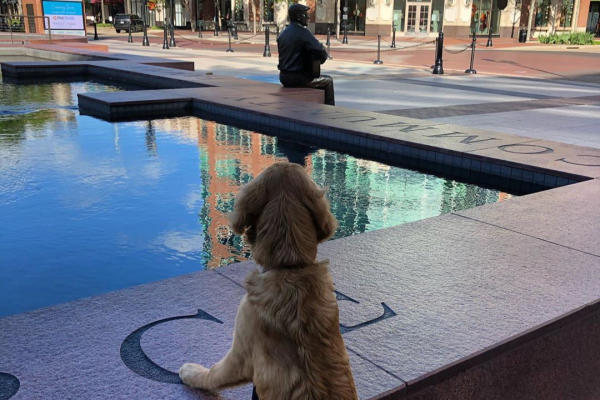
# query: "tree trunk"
[530,19]
[575,15]
[102,11]
[338,16]
[253,17]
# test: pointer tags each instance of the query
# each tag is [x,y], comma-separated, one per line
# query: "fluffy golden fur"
[286,339]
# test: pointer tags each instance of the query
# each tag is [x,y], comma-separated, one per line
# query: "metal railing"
[19,29]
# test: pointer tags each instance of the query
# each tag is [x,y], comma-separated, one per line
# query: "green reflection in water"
[364,195]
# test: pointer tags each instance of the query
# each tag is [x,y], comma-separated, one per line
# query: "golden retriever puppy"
[287,339]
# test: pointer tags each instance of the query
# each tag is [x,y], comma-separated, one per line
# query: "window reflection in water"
[364,195]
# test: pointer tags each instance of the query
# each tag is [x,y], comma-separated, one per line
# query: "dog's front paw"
[194,375]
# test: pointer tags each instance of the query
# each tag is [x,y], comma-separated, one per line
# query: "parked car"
[123,21]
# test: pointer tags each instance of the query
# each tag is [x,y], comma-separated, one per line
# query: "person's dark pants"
[254,395]
[297,79]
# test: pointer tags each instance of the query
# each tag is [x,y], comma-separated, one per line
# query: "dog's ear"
[324,221]
[248,206]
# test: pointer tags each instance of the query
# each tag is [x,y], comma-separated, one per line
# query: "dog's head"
[284,215]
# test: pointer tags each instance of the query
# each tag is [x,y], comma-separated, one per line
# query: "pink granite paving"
[420,303]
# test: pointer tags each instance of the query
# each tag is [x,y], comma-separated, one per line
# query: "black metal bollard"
[172,42]
[328,43]
[393,45]
[438,69]
[165,38]
[229,49]
[267,52]
[378,61]
[129,38]
[471,70]
[95,31]
[145,41]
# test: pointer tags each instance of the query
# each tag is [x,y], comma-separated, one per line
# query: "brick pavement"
[506,57]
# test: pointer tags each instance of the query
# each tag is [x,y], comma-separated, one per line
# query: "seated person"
[298,49]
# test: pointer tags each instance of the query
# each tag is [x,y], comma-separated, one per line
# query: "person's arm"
[315,48]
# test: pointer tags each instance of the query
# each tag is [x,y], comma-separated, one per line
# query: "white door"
[418,16]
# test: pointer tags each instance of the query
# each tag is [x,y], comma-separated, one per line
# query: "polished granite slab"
[567,216]
[129,343]
[456,285]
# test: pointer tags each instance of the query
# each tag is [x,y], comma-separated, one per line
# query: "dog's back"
[286,339]
[300,353]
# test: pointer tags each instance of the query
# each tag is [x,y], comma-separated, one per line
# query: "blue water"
[262,78]
[88,206]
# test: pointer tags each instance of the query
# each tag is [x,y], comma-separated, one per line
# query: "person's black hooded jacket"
[297,48]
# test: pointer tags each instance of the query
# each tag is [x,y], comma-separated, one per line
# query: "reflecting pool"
[88,206]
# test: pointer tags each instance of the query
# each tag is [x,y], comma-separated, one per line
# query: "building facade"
[410,17]
[419,18]
[369,17]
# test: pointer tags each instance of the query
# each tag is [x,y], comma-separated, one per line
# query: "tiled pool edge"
[512,176]
[521,178]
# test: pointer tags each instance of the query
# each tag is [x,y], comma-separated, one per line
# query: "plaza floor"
[472,305]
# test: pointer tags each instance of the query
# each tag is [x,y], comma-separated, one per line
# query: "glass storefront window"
[356,14]
[238,11]
[268,10]
[483,17]
[542,13]
[437,15]
[566,13]
[399,10]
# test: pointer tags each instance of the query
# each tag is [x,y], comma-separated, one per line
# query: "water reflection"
[150,139]
[364,195]
[89,206]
